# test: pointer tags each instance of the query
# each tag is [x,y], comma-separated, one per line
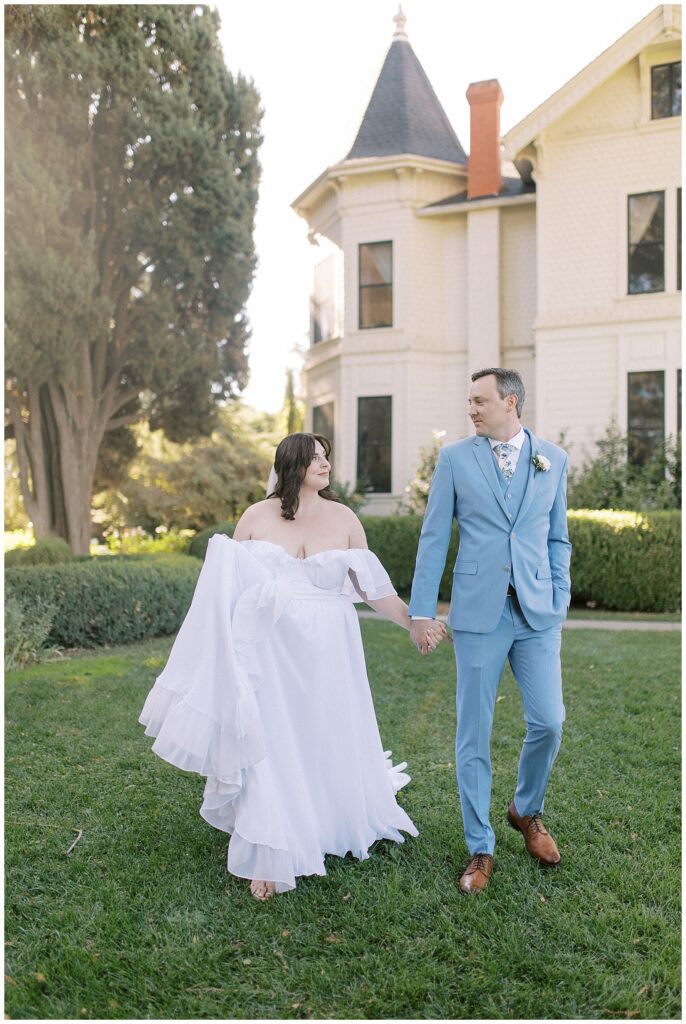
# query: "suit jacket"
[532,547]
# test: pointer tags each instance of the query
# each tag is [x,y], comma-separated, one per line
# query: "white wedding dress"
[265,692]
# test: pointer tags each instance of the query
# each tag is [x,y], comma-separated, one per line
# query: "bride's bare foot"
[262,890]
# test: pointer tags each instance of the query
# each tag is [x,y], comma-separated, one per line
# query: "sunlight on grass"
[616,520]
[142,921]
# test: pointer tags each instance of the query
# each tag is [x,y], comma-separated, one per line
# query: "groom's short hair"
[508,382]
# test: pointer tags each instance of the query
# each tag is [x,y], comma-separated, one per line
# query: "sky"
[315,64]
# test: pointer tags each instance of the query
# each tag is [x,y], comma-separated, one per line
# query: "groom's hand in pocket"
[426,634]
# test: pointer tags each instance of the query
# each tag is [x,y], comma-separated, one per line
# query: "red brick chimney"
[484,177]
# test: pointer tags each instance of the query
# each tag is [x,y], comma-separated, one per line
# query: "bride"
[265,691]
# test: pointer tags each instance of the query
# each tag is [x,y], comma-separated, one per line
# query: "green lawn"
[142,920]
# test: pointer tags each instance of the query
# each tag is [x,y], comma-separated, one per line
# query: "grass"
[141,920]
[581,612]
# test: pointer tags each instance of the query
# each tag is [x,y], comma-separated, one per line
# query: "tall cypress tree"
[131,187]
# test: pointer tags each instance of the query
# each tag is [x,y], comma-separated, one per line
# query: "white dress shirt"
[517,441]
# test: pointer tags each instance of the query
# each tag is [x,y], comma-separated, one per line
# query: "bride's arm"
[392,608]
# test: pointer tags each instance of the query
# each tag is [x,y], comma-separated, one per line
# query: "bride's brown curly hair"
[291,462]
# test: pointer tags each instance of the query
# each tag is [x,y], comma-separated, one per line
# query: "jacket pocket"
[543,572]
[469,568]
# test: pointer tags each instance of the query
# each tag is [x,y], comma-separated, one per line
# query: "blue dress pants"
[534,657]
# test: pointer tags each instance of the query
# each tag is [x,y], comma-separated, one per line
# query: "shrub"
[49,551]
[108,600]
[394,540]
[626,561]
[607,480]
[355,497]
[629,561]
[417,491]
[171,542]
[198,546]
[27,629]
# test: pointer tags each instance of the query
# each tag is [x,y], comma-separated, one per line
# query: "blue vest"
[513,491]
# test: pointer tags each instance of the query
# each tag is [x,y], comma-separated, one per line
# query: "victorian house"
[555,250]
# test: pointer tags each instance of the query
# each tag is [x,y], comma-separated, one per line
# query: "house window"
[678,401]
[646,243]
[678,239]
[374,442]
[376,284]
[665,90]
[322,301]
[322,420]
[646,415]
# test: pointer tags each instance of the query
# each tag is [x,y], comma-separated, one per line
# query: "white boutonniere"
[540,462]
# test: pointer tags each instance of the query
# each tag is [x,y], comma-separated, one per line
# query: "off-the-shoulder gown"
[266,694]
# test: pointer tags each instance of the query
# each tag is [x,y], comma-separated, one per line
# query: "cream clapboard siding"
[421,360]
[518,299]
[537,285]
[589,332]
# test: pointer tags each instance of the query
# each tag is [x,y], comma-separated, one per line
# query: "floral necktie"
[504,452]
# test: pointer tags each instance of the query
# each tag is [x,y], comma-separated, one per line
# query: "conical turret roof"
[404,114]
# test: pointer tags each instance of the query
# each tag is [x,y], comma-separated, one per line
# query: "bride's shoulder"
[346,522]
[337,510]
[261,510]
[255,515]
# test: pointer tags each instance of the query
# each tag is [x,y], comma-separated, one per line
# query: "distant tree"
[293,412]
[417,491]
[194,484]
[131,186]
[15,514]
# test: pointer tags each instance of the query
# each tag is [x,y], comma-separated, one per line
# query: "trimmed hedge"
[627,561]
[49,551]
[108,600]
[198,546]
[394,540]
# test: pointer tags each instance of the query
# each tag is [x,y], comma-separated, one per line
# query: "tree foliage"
[15,514]
[417,491]
[607,480]
[194,484]
[293,410]
[131,185]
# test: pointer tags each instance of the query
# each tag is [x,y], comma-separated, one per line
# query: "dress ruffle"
[203,709]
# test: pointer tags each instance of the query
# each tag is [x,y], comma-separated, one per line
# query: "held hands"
[426,634]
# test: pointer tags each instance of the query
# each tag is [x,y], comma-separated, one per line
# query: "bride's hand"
[437,632]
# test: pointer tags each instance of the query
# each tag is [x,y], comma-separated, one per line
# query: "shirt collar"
[517,440]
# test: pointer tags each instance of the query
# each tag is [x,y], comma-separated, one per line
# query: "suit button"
[506,568]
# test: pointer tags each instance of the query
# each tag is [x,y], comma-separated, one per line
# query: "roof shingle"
[404,114]
[510,187]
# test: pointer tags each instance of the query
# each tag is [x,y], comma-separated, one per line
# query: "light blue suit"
[510,533]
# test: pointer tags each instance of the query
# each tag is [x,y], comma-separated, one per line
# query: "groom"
[511,591]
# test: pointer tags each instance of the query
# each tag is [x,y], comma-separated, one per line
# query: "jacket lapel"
[484,456]
[531,483]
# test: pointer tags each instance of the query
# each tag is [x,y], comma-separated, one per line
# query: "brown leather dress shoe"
[477,874]
[538,841]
